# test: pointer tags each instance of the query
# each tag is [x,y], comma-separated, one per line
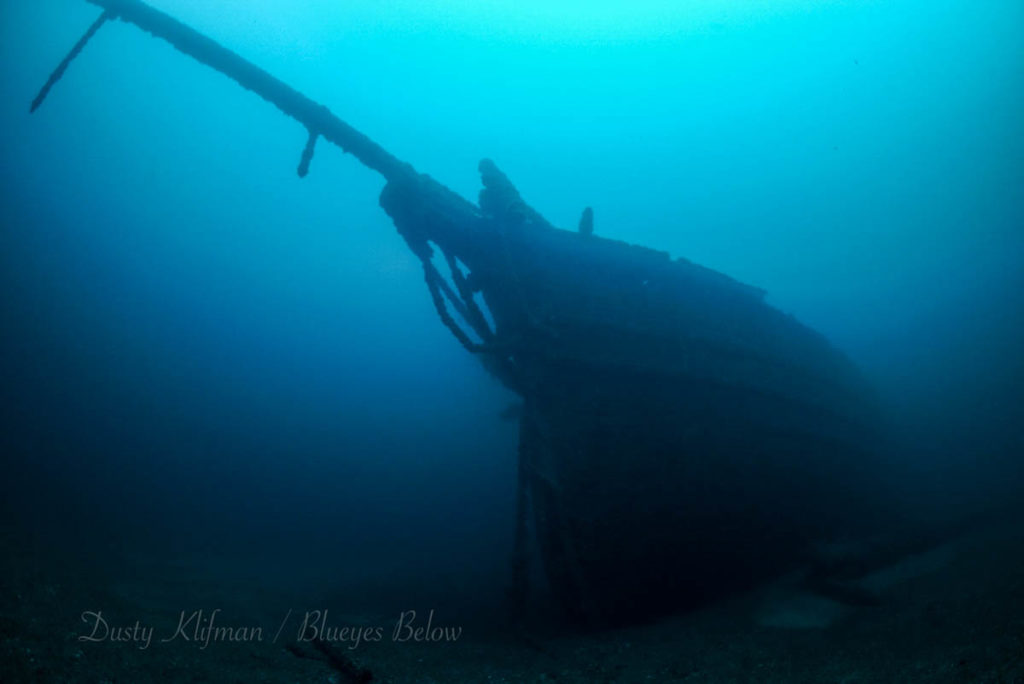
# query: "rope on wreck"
[75,51]
[434,284]
[442,294]
[307,153]
[412,221]
[473,315]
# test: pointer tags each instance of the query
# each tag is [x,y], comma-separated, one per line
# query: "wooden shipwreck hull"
[680,438]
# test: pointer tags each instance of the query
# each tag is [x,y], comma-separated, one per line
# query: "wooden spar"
[317,118]
[424,211]
[63,66]
[422,208]
[453,219]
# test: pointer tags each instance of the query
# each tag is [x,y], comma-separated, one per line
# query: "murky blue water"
[202,352]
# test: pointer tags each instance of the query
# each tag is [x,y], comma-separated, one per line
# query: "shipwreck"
[679,438]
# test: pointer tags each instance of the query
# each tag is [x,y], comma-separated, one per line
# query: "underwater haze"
[208,361]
